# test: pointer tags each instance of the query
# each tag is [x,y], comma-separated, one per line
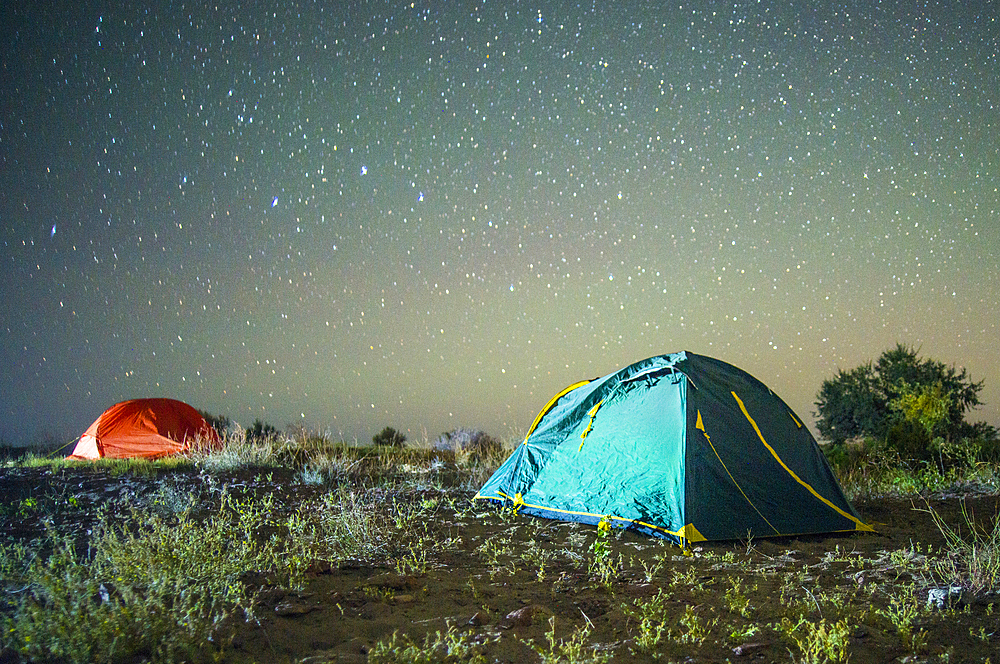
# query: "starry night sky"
[431,215]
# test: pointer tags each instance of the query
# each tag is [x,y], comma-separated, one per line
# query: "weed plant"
[653,617]
[573,650]
[603,566]
[694,628]
[449,647]
[652,570]
[737,596]
[163,587]
[167,586]
[108,608]
[902,613]
[871,469]
[497,553]
[240,451]
[818,642]
[972,560]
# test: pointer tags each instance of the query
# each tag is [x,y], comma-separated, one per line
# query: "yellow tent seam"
[590,425]
[519,501]
[549,405]
[701,426]
[860,525]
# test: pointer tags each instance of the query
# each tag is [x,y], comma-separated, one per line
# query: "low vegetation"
[905,408]
[281,548]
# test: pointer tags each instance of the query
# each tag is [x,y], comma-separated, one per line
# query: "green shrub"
[260,430]
[116,606]
[819,642]
[389,437]
[909,440]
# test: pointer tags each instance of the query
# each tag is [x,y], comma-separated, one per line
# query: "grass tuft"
[75,609]
[573,650]
[450,647]
[972,558]
[818,642]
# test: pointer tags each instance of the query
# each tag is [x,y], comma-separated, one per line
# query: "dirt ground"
[504,578]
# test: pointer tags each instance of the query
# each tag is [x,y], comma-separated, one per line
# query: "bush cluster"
[389,437]
[478,444]
[903,408]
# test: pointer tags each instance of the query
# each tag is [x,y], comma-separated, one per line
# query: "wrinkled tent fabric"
[147,428]
[681,446]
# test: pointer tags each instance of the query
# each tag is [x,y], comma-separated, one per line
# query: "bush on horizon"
[903,409]
[388,437]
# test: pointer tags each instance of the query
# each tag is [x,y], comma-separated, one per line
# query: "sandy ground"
[502,580]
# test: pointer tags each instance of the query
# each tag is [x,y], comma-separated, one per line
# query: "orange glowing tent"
[146,428]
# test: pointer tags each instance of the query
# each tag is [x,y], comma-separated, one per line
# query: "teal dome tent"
[680,446]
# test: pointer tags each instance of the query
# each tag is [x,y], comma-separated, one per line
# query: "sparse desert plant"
[568,651]
[212,552]
[872,471]
[379,593]
[793,582]
[497,553]
[818,642]
[449,647]
[652,570]
[687,577]
[971,560]
[266,448]
[576,540]
[414,562]
[841,555]
[532,553]
[352,524]
[741,633]
[239,450]
[308,539]
[695,629]
[737,598]
[112,607]
[165,583]
[902,612]
[169,499]
[653,620]
[15,561]
[602,563]
[311,475]
[907,561]
[27,507]
[981,634]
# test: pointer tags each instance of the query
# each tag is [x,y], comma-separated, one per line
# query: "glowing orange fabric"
[148,428]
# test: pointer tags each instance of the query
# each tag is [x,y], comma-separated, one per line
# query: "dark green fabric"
[775,503]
